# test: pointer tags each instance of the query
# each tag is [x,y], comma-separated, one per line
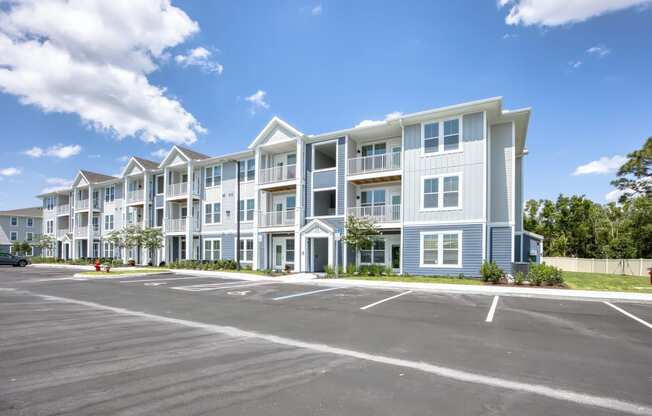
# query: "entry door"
[278,254]
[182,247]
[396,257]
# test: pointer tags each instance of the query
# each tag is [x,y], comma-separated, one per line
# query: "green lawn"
[420,279]
[120,272]
[614,282]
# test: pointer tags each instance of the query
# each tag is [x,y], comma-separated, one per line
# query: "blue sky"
[86,98]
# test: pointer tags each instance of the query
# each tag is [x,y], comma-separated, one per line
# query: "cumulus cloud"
[9,172]
[55,184]
[58,150]
[92,58]
[560,12]
[603,165]
[201,58]
[390,116]
[316,11]
[614,195]
[257,101]
[159,154]
[599,50]
[575,64]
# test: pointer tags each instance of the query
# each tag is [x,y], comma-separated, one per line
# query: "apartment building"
[444,187]
[24,224]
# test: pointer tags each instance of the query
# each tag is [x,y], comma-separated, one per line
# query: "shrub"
[329,271]
[350,269]
[491,272]
[519,278]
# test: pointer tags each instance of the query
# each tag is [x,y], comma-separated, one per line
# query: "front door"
[182,246]
[278,254]
[396,257]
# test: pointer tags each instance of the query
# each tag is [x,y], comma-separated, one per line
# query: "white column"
[257,208]
[164,252]
[144,251]
[190,217]
[124,214]
[300,209]
[89,241]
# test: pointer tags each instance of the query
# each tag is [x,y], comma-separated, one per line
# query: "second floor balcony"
[179,225]
[375,163]
[63,209]
[81,231]
[377,213]
[62,232]
[286,218]
[135,196]
[180,189]
[81,204]
[277,174]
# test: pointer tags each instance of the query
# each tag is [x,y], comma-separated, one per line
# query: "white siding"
[501,171]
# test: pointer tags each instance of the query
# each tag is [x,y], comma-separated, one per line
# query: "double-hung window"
[108,222]
[13,221]
[109,193]
[213,213]
[49,226]
[441,249]
[441,192]
[212,247]
[440,136]
[108,249]
[375,254]
[213,176]
[30,222]
[246,250]
[289,250]
[247,214]
[29,236]
[13,236]
[247,170]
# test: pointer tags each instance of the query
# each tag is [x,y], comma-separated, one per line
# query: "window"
[13,236]
[289,250]
[212,248]
[29,237]
[49,203]
[375,255]
[247,167]
[30,222]
[248,214]
[108,249]
[108,222]
[441,192]
[14,221]
[213,176]
[213,213]
[159,217]
[441,249]
[246,250]
[109,193]
[440,137]
[49,226]
[160,184]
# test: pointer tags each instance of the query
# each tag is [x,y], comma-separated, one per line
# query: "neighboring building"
[24,224]
[445,187]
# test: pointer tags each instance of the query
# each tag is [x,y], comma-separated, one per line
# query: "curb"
[120,276]
[293,278]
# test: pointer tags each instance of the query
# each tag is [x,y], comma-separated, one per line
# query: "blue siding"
[159,201]
[341,179]
[308,193]
[228,243]
[501,247]
[471,250]
[325,179]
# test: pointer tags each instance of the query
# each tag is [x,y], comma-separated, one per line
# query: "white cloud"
[160,153]
[316,11]
[92,58]
[603,165]
[575,64]
[560,12]
[123,159]
[199,57]
[614,195]
[599,50]
[257,101]
[56,184]
[58,150]
[510,35]
[390,116]
[9,171]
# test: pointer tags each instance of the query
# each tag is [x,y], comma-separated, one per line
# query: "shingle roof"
[192,154]
[94,177]
[147,164]
[24,212]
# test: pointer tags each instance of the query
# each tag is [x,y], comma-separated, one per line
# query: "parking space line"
[492,310]
[296,295]
[624,312]
[371,305]
[218,286]
[174,278]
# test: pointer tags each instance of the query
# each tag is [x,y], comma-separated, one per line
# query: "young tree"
[152,241]
[117,238]
[20,247]
[359,233]
[45,242]
[635,175]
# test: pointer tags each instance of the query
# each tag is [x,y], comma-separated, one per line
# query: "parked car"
[11,260]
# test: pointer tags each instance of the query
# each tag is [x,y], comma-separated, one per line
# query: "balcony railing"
[178,225]
[278,174]
[62,233]
[376,163]
[180,188]
[277,218]
[81,231]
[377,213]
[63,209]
[135,223]
[135,196]
[81,204]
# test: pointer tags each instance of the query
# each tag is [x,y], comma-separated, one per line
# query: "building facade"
[443,186]
[22,225]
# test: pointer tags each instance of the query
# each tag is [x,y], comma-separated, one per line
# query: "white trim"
[500,224]
[425,223]
[514,199]
[440,249]
[203,244]
[203,213]
[212,167]
[253,249]
[440,145]
[269,126]
[440,192]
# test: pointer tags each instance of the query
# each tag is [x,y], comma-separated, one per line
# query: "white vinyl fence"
[632,267]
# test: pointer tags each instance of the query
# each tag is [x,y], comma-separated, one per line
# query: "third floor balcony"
[377,213]
[180,189]
[63,209]
[386,162]
[81,204]
[277,174]
[135,196]
[285,218]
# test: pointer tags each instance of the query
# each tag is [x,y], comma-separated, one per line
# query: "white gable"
[317,227]
[177,160]
[174,157]
[132,168]
[278,134]
[275,131]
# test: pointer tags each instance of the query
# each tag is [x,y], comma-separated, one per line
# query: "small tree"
[19,247]
[116,238]
[152,240]
[635,175]
[45,242]
[359,233]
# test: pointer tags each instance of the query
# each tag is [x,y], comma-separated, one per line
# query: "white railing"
[63,209]
[135,223]
[277,218]
[96,230]
[278,174]
[377,213]
[81,231]
[176,189]
[135,196]
[62,233]
[376,163]
[81,204]
[178,225]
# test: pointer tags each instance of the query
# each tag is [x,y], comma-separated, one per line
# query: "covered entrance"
[318,249]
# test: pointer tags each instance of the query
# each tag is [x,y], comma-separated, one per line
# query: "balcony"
[285,218]
[81,232]
[135,196]
[135,223]
[376,163]
[180,189]
[178,225]
[377,213]
[81,204]
[277,174]
[62,233]
[63,209]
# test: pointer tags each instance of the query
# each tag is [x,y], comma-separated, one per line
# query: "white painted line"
[173,278]
[384,300]
[492,310]
[584,399]
[624,312]
[296,295]
[218,286]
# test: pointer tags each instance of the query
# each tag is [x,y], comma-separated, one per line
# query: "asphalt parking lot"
[172,344]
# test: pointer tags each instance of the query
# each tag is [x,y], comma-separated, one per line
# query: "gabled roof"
[145,163]
[191,154]
[94,177]
[273,123]
[24,212]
